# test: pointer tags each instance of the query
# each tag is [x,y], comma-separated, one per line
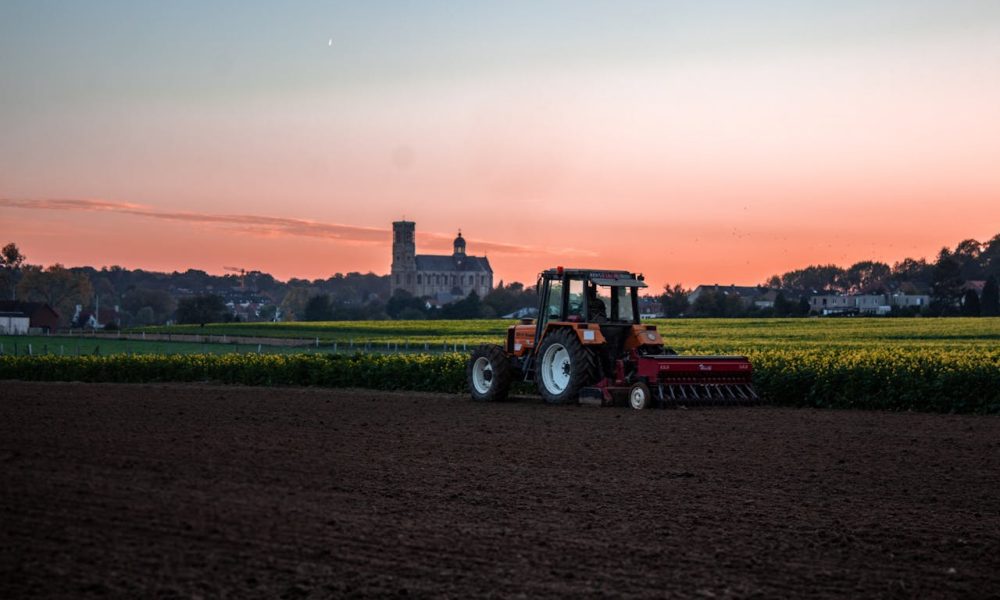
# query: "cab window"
[553,309]
[600,303]
[624,305]
[575,305]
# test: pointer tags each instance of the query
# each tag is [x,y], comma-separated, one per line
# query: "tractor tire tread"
[503,373]
[583,365]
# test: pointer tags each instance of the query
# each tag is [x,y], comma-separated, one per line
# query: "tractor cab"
[587,296]
[607,301]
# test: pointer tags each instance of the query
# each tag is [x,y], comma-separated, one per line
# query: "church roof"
[433,262]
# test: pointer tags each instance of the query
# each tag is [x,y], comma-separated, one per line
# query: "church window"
[418,278]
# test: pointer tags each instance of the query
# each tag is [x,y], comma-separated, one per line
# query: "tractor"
[588,345]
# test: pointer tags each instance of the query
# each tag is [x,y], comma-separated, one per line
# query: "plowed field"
[197,490]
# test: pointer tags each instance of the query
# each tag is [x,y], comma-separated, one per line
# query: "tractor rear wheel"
[564,366]
[489,373]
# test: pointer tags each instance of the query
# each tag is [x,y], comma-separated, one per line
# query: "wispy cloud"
[269,226]
[67,204]
[262,225]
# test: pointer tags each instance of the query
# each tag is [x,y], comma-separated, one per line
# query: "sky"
[696,142]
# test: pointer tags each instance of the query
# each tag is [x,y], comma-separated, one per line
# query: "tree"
[404,302]
[946,284]
[916,273]
[293,306]
[105,289]
[815,277]
[466,308]
[57,286]
[160,304]
[208,308]
[990,257]
[990,302]
[782,307]
[866,277]
[674,300]
[967,253]
[803,307]
[506,299]
[705,305]
[717,303]
[11,260]
[970,304]
[318,309]
[145,316]
[267,312]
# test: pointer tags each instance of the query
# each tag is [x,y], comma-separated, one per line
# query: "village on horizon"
[461,285]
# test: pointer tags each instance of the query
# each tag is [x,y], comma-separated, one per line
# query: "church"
[441,277]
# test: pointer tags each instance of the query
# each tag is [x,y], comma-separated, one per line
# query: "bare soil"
[199,490]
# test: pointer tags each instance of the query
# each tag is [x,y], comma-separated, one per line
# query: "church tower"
[404,255]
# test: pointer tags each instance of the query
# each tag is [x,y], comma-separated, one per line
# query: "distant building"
[872,304]
[89,319]
[748,294]
[441,277]
[650,308]
[14,323]
[865,304]
[832,304]
[766,300]
[907,300]
[41,316]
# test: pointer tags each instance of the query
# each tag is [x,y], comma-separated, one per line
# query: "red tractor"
[588,344]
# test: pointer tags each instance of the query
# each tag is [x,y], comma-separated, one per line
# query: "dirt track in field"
[179,490]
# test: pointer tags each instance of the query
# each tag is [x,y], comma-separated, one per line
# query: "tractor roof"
[598,276]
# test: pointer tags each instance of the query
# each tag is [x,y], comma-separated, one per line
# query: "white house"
[14,323]
[829,304]
[904,300]
[872,304]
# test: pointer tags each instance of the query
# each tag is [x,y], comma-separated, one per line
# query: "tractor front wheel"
[564,366]
[489,373]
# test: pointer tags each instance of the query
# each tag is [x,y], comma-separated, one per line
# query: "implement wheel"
[488,373]
[639,396]
[564,366]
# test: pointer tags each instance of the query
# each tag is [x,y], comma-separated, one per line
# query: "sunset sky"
[697,142]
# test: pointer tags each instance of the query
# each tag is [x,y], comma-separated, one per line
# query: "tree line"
[194,296]
[946,280]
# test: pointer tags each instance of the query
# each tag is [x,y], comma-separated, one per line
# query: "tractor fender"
[520,339]
[589,334]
